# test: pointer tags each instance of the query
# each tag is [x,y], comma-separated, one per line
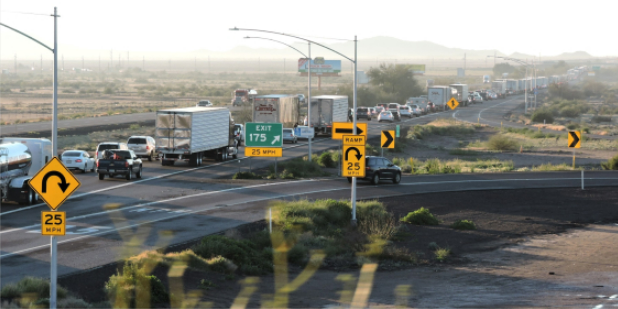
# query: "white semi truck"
[440,95]
[20,160]
[193,133]
[499,87]
[462,93]
[326,109]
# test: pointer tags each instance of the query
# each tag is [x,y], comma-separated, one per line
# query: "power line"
[25,13]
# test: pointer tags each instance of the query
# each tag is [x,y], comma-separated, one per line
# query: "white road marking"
[481,112]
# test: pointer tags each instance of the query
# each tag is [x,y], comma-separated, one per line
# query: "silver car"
[203,103]
[78,160]
[405,111]
[386,116]
[415,109]
[142,146]
[289,136]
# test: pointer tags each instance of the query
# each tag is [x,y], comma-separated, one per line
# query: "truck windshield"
[121,154]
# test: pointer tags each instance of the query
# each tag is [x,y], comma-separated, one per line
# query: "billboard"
[319,66]
[417,69]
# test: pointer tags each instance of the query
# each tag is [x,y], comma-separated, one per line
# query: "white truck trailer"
[440,95]
[326,109]
[20,160]
[462,93]
[512,86]
[192,133]
[277,108]
[499,87]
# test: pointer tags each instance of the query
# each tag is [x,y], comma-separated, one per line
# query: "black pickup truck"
[119,162]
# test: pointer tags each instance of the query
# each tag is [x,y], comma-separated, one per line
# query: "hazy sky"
[548,27]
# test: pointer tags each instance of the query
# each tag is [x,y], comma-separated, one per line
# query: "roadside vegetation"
[32,292]
[611,164]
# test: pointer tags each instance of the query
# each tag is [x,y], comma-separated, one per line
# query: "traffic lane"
[181,205]
[106,247]
[153,172]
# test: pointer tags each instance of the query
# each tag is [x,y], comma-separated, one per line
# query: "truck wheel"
[101,176]
[130,172]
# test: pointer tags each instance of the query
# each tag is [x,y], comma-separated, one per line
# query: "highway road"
[112,219]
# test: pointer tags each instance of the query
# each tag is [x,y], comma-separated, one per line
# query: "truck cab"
[20,160]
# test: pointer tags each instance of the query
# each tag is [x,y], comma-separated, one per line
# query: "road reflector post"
[582,179]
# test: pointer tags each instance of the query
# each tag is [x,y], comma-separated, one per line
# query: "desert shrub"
[570,112]
[502,142]
[432,166]
[442,254]
[374,220]
[38,287]
[298,254]
[463,225]
[241,252]
[406,168]
[246,175]
[326,160]
[135,289]
[299,168]
[370,150]
[422,131]
[598,119]
[611,164]
[421,216]
[541,116]
[134,126]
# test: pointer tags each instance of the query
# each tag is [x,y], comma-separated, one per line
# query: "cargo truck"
[499,87]
[326,109]
[243,96]
[512,86]
[193,133]
[440,95]
[20,160]
[277,108]
[462,93]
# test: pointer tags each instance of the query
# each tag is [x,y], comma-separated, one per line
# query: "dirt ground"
[437,146]
[545,247]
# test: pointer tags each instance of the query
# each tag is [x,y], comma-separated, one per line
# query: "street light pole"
[353,197]
[309,100]
[53,278]
[355,62]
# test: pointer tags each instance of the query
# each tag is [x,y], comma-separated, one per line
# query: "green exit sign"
[264,134]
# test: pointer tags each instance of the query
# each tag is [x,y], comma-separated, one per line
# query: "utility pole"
[53,278]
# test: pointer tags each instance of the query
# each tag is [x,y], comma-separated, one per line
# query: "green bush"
[501,142]
[135,288]
[422,131]
[421,216]
[326,160]
[463,225]
[299,168]
[611,164]
[241,252]
[442,254]
[406,168]
[432,166]
[541,116]
[246,175]
[38,287]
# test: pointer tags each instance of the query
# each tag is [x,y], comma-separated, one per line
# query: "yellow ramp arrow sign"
[388,139]
[575,139]
[54,183]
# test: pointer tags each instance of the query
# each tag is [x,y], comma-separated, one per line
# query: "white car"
[405,111]
[203,103]
[109,145]
[386,116]
[142,146]
[78,160]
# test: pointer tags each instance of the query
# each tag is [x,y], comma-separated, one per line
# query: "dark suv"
[363,113]
[377,168]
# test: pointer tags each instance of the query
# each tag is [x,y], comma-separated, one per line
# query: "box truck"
[440,95]
[192,133]
[462,93]
[512,86]
[499,87]
[277,108]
